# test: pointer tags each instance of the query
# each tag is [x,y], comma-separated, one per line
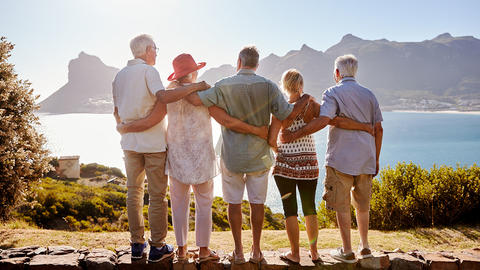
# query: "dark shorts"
[288,191]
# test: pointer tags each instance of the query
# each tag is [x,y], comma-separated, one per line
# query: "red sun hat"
[183,65]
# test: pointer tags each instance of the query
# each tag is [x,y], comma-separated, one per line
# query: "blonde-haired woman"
[296,166]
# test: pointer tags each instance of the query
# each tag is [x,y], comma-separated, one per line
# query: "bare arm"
[273,132]
[156,115]
[194,99]
[312,127]
[347,123]
[224,119]
[378,143]
[116,115]
[180,92]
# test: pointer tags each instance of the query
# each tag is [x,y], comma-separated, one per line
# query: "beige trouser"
[180,199]
[153,165]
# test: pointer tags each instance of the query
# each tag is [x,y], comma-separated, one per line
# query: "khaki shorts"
[338,187]
[233,186]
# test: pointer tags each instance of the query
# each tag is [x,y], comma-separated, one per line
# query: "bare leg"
[182,251]
[362,221]
[293,233]
[257,214]
[344,220]
[235,220]
[312,232]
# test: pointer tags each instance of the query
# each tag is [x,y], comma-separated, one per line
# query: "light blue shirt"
[351,151]
[252,99]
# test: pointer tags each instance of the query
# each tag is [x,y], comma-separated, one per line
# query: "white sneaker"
[338,254]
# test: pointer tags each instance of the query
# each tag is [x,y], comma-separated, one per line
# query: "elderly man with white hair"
[352,157]
[137,90]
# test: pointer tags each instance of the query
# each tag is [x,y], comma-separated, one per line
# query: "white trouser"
[180,199]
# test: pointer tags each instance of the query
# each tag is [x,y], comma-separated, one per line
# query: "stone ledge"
[65,257]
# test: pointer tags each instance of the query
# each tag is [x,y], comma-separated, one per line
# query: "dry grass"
[17,234]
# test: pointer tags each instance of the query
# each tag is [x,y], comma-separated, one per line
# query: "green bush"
[408,196]
[94,170]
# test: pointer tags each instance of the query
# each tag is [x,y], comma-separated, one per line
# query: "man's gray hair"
[347,65]
[249,56]
[139,44]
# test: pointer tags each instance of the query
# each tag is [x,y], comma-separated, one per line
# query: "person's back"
[134,97]
[252,99]
[352,151]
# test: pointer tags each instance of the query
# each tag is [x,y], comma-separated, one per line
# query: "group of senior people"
[252,111]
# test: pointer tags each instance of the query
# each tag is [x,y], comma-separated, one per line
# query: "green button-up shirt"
[250,98]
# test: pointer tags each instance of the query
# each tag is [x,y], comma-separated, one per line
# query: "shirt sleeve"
[211,97]
[114,94]
[279,105]
[328,106]
[152,78]
[378,113]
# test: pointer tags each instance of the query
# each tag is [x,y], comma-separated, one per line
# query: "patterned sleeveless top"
[297,159]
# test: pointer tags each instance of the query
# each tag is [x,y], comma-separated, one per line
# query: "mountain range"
[438,74]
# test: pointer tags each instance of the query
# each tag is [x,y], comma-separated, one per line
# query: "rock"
[214,265]
[21,252]
[100,259]
[437,261]
[17,263]
[468,261]
[38,251]
[54,262]
[402,261]
[60,250]
[184,265]
[378,261]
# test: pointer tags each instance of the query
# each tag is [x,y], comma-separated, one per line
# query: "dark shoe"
[158,254]
[364,253]
[138,250]
[338,254]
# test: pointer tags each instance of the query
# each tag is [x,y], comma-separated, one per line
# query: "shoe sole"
[166,256]
[343,260]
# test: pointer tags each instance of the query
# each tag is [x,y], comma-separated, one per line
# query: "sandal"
[211,257]
[316,261]
[181,258]
[284,257]
[259,260]
[232,257]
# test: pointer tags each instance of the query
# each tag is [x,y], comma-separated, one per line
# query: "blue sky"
[48,34]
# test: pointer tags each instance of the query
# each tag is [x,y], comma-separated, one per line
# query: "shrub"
[23,158]
[409,196]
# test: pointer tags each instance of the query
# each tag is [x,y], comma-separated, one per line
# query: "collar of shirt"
[344,79]
[135,61]
[246,71]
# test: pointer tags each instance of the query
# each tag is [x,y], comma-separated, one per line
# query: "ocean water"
[423,138]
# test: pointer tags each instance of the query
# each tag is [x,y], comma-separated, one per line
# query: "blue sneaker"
[138,250]
[158,254]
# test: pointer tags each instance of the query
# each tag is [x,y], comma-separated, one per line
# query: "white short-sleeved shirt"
[134,90]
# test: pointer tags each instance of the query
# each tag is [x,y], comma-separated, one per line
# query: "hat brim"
[175,76]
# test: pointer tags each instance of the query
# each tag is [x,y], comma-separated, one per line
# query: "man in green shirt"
[246,158]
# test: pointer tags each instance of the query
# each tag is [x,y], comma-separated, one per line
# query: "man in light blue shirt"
[352,156]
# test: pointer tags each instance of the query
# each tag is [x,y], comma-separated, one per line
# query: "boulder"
[60,250]
[17,263]
[403,261]
[100,259]
[55,262]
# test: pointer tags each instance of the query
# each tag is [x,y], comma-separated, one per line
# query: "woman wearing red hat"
[191,157]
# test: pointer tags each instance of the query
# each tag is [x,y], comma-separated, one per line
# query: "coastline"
[439,112]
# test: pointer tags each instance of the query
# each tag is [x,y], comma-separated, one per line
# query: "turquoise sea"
[423,138]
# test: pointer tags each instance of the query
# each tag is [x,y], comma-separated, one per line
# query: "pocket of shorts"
[329,193]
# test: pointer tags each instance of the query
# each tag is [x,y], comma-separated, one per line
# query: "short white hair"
[139,44]
[347,65]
